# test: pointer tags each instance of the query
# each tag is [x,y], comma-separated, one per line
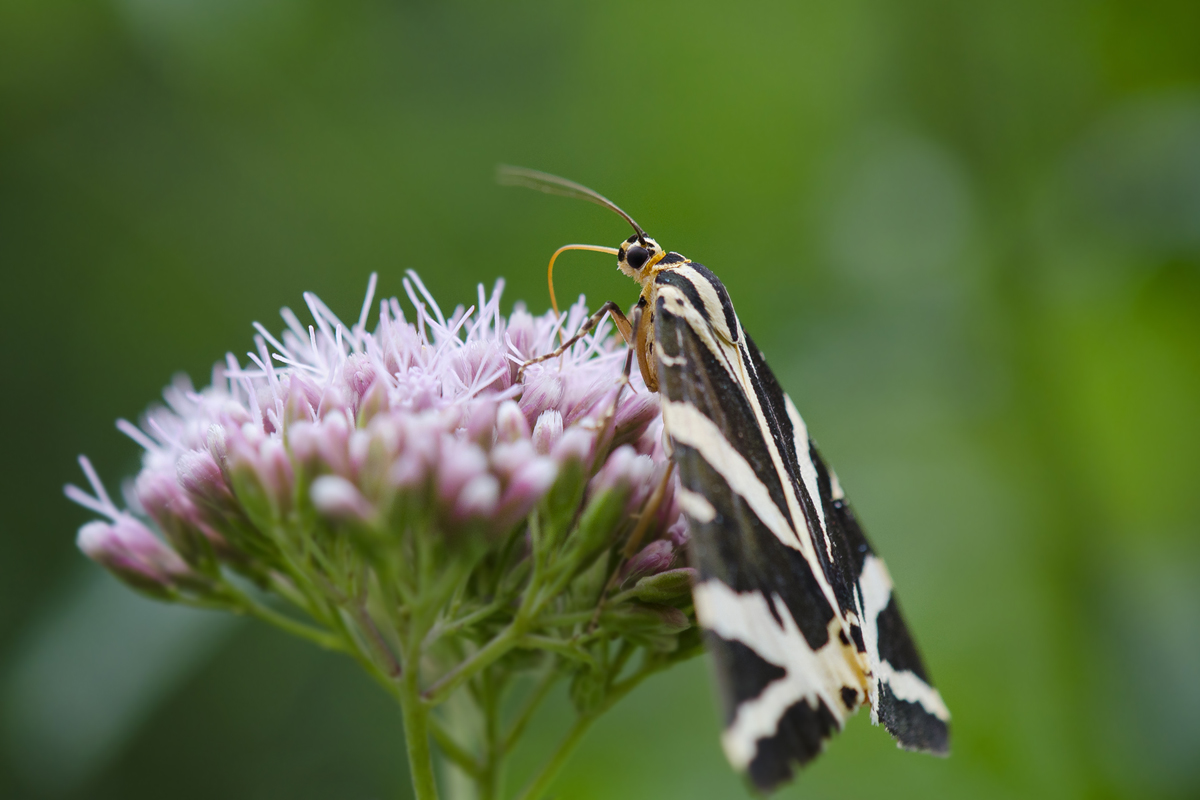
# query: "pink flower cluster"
[344,427]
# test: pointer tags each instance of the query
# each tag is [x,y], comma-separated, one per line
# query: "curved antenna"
[612,251]
[552,184]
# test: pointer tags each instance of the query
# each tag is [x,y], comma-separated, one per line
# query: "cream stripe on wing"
[712,301]
[876,586]
[688,426]
[747,618]
[795,510]
[676,303]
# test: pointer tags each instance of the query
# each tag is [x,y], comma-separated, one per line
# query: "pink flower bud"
[199,474]
[477,361]
[678,533]
[543,390]
[547,431]
[653,558]
[507,459]
[588,397]
[373,400]
[359,375]
[358,447]
[215,441]
[511,425]
[133,553]
[626,470]
[302,439]
[527,487]
[339,499]
[634,415]
[480,422]
[275,471]
[478,499]
[333,443]
[522,335]
[576,445]
[177,516]
[460,461]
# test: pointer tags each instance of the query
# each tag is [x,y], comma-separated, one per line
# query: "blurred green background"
[966,235]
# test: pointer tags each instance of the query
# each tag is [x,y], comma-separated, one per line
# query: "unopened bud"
[547,432]
[511,425]
[459,462]
[654,557]
[576,445]
[198,473]
[478,499]
[129,550]
[543,390]
[339,499]
[633,416]
[177,516]
[528,486]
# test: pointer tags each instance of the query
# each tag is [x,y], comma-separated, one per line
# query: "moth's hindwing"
[798,611]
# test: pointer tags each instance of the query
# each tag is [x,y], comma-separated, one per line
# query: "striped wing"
[798,611]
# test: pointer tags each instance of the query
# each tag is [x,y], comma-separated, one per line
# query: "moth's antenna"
[552,184]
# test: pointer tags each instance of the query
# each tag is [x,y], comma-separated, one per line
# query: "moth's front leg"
[618,317]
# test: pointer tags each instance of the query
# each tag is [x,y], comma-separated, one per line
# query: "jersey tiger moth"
[798,611]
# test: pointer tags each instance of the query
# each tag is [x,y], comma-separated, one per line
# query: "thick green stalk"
[416,734]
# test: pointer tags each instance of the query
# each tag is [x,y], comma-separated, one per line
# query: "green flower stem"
[535,698]
[416,733]
[567,620]
[452,750]
[490,777]
[565,649]
[549,771]
[444,629]
[484,657]
[379,647]
[317,636]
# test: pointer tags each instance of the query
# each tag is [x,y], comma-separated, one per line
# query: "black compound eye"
[636,257]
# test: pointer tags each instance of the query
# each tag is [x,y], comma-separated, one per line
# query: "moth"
[798,611]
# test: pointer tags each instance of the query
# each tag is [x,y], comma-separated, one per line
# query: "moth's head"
[637,256]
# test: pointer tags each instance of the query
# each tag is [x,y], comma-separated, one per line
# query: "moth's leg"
[619,318]
[643,338]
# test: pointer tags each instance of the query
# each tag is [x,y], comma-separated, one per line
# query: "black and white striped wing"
[798,611]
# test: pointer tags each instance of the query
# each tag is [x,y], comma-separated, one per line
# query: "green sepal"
[561,502]
[253,497]
[665,587]
[597,527]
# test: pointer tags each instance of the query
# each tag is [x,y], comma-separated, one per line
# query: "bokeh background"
[966,235]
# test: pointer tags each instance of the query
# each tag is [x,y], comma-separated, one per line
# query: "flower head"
[411,421]
[411,496]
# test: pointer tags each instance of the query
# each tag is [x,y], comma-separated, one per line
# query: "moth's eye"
[636,257]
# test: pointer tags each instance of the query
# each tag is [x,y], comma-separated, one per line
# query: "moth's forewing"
[782,560]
